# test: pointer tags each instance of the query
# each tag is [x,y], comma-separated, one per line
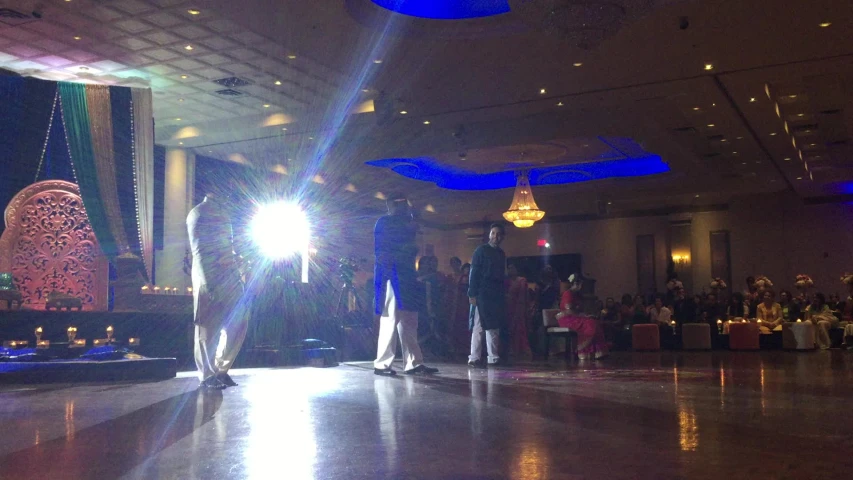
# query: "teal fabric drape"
[75,117]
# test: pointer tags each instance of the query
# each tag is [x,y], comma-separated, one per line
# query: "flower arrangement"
[847,278]
[718,282]
[804,281]
[674,284]
[762,282]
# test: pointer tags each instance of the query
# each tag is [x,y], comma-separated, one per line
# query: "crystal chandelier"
[523,212]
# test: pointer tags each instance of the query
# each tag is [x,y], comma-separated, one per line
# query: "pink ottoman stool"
[645,337]
[743,336]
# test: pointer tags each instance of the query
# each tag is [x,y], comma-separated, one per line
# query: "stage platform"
[79,371]
[162,335]
[692,415]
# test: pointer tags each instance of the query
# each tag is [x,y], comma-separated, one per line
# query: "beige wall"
[177,205]
[774,235]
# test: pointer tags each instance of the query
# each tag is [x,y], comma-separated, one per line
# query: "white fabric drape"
[143,163]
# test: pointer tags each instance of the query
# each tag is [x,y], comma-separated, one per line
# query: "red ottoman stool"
[696,336]
[743,336]
[645,337]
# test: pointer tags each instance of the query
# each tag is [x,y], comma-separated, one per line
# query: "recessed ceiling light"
[585,145]
[758,161]
[799,178]
[709,66]
[284,129]
[541,91]
[84,69]
[278,82]
[377,61]
[751,99]
[697,196]
[180,143]
[365,90]
[178,119]
[266,105]
[403,112]
[577,64]
[801,114]
[734,153]
[740,138]
[711,125]
[310,138]
[559,104]
[184,77]
[695,109]
[426,122]
[744,163]
[787,159]
[792,97]
[610,203]
[824,24]
[188,47]
[772,134]
[291,57]
[77,37]
[724,140]
[193,11]
[812,144]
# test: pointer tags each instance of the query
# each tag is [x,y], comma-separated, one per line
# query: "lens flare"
[280,230]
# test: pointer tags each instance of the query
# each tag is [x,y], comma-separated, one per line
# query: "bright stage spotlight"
[280,230]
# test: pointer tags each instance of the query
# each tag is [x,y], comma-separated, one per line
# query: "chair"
[744,336]
[8,292]
[798,336]
[696,336]
[645,337]
[553,329]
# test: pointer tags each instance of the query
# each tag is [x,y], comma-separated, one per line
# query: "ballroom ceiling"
[320,87]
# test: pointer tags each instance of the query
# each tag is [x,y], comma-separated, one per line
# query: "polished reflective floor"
[774,415]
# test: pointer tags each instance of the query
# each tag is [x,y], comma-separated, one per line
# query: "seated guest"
[611,319]
[591,341]
[711,311]
[626,309]
[659,313]
[769,313]
[790,310]
[736,309]
[846,309]
[683,308]
[638,312]
[821,316]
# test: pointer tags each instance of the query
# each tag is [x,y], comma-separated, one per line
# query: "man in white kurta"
[221,321]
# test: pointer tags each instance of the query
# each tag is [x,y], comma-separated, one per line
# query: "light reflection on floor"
[692,415]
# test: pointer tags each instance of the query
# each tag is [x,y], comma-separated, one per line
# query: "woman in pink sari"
[591,341]
[517,310]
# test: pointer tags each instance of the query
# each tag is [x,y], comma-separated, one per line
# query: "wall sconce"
[681,260]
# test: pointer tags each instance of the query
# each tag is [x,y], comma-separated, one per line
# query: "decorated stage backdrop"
[100,138]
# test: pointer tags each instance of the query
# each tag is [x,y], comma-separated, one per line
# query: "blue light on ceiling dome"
[428,169]
[445,9]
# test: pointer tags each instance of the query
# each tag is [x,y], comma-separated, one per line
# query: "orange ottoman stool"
[645,337]
[743,336]
[696,336]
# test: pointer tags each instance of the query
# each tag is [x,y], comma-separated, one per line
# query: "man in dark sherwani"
[487,295]
[397,293]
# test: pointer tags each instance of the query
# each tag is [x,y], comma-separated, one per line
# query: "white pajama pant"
[392,323]
[492,341]
[221,327]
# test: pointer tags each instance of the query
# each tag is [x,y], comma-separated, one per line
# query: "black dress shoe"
[421,370]
[226,379]
[384,372]
[212,383]
[476,364]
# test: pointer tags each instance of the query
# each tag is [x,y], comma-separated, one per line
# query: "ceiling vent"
[13,17]
[232,82]
[831,111]
[684,130]
[716,138]
[229,92]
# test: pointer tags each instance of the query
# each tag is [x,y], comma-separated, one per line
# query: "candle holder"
[146,289]
[189,290]
[156,290]
[77,343]
[719,326]
[39,331]
[72,334]
[110,333]
[43,344]
[133,342]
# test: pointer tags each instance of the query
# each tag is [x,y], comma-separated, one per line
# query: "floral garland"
[804,281]
[763,282]
[847,278]
[718,282]
[674,284]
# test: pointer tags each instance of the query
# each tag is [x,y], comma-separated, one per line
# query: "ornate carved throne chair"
[49,247]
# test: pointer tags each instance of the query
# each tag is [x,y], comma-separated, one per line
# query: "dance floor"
[757,415]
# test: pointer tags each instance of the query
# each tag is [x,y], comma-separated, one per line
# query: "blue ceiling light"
[636,163]
[446,9]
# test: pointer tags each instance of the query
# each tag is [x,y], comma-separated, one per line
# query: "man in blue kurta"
[487,295]
[396,286]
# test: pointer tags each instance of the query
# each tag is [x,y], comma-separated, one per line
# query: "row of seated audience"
[443,325]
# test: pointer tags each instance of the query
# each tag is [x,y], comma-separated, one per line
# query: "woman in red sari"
[517,310]
[591,341]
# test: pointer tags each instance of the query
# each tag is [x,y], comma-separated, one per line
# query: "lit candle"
[799,320]
[133,342]
[110,333]
[145,289]
[72,333]
[39,331]
[156,289]
[190,290]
